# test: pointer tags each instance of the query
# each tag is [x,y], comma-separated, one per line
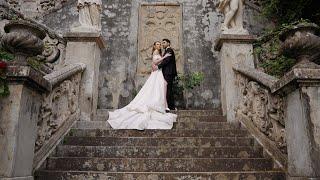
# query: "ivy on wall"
[4,57]
[285,14]
[287,11]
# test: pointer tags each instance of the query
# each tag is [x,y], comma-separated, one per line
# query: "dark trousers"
[170,97]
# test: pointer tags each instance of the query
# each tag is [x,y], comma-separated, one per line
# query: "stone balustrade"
[44,101]
[284,113]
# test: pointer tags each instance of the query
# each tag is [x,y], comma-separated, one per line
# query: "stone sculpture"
[233,11]
[89,15]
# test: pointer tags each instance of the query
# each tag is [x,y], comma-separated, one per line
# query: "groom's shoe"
[167,110]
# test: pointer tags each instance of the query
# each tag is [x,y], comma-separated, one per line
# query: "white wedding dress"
[147,109]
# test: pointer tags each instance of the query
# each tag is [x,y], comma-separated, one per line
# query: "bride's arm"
[159,60]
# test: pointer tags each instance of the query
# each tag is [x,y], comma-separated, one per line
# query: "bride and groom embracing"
[149,109]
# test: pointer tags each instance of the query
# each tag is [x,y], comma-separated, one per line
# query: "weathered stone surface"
[157,152]
[76,175]
[174,154]
[159,133]
[256,75]
[178,125]
[146,141]
[159,164]
[120,24]
[18,121]
[302,123]
[158,21]
[264,110]
[235,50]
[86,48]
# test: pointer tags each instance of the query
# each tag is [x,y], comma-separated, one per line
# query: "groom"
[169,70]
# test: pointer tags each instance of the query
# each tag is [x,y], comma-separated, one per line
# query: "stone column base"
[234,50]
[86,48]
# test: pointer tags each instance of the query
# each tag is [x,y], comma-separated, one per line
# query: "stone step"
[177,125]
[158,164]
[156,152]
[158,133]
[218,111]
[181,118]
[172,141]
[85,175]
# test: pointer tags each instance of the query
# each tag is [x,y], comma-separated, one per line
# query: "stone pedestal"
[303,131]
[302,119]
[18,122]
[234,49]
[86,48]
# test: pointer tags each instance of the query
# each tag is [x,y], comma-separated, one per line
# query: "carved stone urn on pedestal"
[303,44]
[23,39]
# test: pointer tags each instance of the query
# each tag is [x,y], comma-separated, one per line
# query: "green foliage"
[35,62]
[279,66]
[186,82]
[286,11]
[4,55]
[4,89]
[267,50]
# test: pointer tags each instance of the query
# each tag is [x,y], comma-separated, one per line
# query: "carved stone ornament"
[158,21]
[266,111]
[57,106]
[23,38]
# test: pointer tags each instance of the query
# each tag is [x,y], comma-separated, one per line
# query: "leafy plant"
[279,66]
[4,57]
[267,50]
[183,83]
[286,11]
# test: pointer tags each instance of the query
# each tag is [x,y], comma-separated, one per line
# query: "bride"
[147,109]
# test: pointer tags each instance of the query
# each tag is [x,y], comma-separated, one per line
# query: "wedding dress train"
[147,109]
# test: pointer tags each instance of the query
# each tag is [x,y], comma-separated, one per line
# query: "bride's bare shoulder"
[156,52]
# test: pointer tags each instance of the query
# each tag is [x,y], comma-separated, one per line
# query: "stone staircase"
[202,145]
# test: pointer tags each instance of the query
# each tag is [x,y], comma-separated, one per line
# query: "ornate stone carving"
[14,4]
[51,50]
[89,16]
[233,12]
[23,38]
[265,110]
[57,106]
[158,21]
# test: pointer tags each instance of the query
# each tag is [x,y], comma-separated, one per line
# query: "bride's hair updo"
[154,47]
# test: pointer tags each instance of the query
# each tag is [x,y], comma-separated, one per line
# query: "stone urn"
[303,44]
[23,39]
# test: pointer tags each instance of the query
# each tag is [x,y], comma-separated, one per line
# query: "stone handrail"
[59,109]
[256,75]
[262,112]
[62,74]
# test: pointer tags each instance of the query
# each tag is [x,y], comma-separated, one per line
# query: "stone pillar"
[86,47]
[20,110]
[18,122]
[303,131]
[234,49]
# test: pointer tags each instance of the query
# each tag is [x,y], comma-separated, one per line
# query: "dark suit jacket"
[168,65]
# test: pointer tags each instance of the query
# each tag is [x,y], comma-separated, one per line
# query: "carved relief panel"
[158,21]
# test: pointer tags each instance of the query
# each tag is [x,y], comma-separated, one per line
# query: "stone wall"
[118,81]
